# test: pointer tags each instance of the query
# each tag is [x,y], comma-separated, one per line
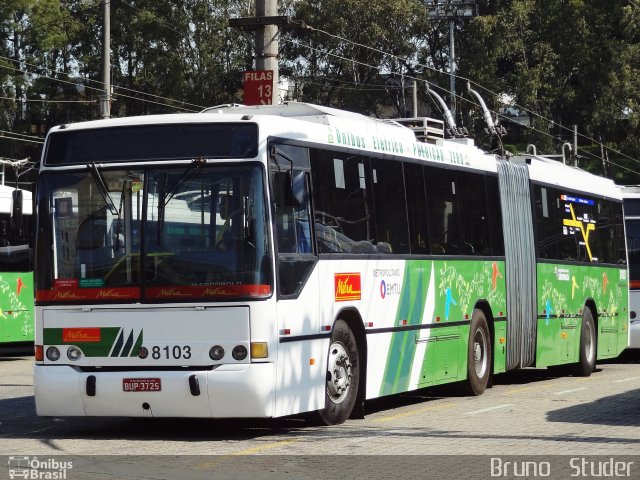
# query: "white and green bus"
[16,272]
[269,261]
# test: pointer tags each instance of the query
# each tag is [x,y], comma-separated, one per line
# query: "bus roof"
[338,128]
[630,191]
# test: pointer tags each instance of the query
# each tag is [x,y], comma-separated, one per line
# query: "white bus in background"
[631,195]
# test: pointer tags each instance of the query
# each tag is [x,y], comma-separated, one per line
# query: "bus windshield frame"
[151,237]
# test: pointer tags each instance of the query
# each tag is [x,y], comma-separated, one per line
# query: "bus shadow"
[615,410]
[18,419]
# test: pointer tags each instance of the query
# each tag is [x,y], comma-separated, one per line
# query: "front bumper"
[228,391]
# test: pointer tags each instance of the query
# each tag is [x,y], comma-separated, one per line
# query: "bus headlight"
[239,352]
[74,353]
[216,352]
[53,354]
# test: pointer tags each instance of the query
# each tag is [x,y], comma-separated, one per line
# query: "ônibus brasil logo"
[34,468]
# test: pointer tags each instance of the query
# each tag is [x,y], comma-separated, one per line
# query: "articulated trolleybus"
[268,261]
[16,272]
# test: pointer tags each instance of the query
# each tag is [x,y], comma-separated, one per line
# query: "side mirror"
[16,207]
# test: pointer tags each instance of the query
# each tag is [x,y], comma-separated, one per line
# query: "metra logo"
[387,289]
[110,293]
[347,286]
[216,291]
[171,292]
[67,295]
[80,335]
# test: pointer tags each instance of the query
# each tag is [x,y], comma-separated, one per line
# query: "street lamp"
[452,10]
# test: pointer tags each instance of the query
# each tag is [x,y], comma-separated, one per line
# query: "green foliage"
[568,62]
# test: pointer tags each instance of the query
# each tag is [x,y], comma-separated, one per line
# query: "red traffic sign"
[258,87]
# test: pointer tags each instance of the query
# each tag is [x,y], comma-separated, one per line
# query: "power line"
[21,134]
[495,94]
[91,88]
[199,107]
[18,139]
[46,101]
[457,96]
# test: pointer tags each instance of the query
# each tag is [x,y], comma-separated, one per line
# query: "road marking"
[431,408]
[626,379]
[527,389]
[247,451]
[495,407]
[585,379]
[569,391]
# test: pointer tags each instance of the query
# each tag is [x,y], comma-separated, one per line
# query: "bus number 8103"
[168,352]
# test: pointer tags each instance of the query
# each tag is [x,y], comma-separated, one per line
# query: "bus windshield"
[179,233]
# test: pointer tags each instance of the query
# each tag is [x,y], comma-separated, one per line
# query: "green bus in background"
[16,272]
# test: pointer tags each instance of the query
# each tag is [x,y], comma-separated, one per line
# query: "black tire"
[343,375]
[587,363]
[478,355]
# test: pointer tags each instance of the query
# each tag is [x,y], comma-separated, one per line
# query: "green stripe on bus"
[410,308]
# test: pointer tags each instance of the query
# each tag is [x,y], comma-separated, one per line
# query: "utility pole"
[105,99]
[452,10]
[267,42]
[266,25]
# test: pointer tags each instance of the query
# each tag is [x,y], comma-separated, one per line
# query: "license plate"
[141,385]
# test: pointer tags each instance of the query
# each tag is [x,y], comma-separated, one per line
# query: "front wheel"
[342,376]
[587,362]
[478,355]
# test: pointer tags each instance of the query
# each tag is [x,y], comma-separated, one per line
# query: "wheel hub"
[479,353]
[339,373]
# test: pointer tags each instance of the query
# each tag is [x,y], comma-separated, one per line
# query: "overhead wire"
[474,83]
[464,99]
[89,87]
[45,101]
[101,83]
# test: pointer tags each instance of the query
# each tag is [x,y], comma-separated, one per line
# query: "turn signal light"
[259,350]
[39,353]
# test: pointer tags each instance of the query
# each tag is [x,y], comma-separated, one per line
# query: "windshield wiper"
[188,174]
[165,197]
[102,188]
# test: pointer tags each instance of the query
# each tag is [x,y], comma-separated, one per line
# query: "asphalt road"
[530,413]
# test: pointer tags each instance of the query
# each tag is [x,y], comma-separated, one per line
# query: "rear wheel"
[342,376]
[478,355]
[587,362]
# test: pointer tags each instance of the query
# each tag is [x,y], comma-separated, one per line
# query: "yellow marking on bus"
[431,408]
[527,389]
[573,222]
[247,451]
